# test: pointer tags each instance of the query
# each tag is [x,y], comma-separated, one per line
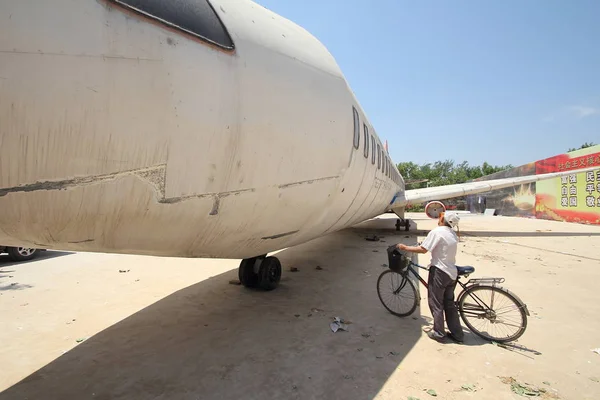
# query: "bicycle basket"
[397,260]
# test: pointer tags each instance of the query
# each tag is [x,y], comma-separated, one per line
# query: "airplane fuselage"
[123,133]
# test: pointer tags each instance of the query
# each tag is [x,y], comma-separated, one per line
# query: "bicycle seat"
[465,270]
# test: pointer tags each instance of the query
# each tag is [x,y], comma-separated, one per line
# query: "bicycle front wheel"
[397,293]
[493,313]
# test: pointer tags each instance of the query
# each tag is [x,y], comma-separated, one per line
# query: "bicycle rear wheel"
[493,313]
[397,293]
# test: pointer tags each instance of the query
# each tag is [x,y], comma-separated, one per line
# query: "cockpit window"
[196,17]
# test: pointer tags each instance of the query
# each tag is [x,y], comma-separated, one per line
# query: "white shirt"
[442,242]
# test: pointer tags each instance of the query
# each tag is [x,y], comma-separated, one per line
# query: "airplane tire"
[269,273]
[246,273]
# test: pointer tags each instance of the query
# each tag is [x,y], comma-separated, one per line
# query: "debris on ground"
[232,282]
[124,271]
[432,392]
[297,315]
[526,389]
[316,310]
[594,379]
[319,268]
[80,340]
[366,335]
[339,324]
[393,353]
[293,269]
[412,398]
[375,251]
[384,265]
[597,351]
[469,388]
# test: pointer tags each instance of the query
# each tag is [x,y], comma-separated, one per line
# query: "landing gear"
[260,272]
[403,222]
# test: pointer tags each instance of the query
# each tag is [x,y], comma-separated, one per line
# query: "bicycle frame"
[483,307]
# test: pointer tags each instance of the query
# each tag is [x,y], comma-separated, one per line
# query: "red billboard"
[572,198]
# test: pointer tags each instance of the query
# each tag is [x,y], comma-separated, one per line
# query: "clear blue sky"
[506,82]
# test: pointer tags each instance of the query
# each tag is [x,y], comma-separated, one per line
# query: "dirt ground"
[168,328]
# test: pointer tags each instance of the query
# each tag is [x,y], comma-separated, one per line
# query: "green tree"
[583,146]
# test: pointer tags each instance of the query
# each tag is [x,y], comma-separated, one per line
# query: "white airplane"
[191,128]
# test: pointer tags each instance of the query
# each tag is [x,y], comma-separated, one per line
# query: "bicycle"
[400,266]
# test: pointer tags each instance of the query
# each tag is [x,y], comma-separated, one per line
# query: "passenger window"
[356,128]
[378,156]
[196,17]
[372,150]
[366,141]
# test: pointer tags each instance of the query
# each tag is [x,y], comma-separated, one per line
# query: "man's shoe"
[436,336]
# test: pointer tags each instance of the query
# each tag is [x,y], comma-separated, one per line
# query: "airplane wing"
[417,196]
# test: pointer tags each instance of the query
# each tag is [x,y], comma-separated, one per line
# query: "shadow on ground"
[217,340]
[14,286]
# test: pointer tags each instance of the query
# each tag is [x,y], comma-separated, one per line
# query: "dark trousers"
[440,296]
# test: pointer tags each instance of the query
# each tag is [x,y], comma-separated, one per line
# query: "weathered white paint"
[166,145]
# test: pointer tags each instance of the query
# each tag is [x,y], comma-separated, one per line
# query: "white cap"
[451,219]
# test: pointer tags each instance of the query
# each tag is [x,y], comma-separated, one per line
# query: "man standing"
[442,242]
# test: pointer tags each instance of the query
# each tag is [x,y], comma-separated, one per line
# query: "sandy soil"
[177,329]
